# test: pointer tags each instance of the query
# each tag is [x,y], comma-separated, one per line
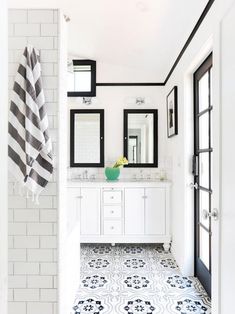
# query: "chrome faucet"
[85,174]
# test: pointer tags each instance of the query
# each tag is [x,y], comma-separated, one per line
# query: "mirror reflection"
[140,136]
[81,78]
[86,138]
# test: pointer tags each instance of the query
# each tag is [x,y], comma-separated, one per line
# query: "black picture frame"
[92,93]
[73,112]
[172,112]
[126,112]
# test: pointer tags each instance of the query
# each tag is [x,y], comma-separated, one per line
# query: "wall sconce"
[140,101]
[87,101]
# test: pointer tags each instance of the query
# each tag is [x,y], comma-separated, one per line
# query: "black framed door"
[202,169]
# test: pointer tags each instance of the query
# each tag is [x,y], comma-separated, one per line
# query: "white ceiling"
[146,35]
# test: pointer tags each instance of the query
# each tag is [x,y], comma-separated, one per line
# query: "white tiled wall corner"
[17,307]
[32,227]
[18,16]
[40,16]
[39,308]
[27,30]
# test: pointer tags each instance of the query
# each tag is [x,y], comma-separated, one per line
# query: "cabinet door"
[90,211]
[134,211]
[155,211]
[73,209]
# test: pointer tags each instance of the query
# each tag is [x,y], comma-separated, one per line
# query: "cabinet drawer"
[112,211]
[112,227]
[112,197]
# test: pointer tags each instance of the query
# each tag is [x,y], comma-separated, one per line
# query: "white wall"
[68,238]
[227,160]
[3,158]
[33,228]
[113,100]
[177,146]
[36,4]
[180,148]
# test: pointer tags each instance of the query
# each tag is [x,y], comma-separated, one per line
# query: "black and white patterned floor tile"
[135,279]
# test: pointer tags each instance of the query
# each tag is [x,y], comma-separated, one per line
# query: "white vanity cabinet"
[145,211]
[155,211]
[134,211]
[121,212]
[112,211]
[84,206]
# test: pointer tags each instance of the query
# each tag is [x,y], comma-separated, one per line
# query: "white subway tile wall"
[32,228]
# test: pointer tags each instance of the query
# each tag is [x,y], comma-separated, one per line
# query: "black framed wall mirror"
[86,138]
[81,78]
[141,137]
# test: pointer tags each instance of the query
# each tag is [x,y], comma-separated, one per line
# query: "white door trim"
[216,170]
[3,157]
[213,44]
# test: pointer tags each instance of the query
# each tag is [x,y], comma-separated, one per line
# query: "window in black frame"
[82,78]
[150,158]
[80,121]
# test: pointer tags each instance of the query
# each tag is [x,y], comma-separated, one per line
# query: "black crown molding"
[130,84]
[190,38]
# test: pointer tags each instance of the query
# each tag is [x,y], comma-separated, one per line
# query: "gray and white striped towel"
[30,148]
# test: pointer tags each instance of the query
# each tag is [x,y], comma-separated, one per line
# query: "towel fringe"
[37,198]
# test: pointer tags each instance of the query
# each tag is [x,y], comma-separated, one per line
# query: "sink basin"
[120,180]
[86,180]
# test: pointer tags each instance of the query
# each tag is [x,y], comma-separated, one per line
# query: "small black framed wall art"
[172,112]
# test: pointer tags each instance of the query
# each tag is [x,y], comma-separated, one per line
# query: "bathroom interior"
[124,225]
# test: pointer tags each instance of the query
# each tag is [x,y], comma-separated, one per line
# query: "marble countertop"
[118,183]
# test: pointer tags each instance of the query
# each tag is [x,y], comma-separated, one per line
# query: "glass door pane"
[204,251]
[204,170]
[204,204]
[204,131]
[203,91]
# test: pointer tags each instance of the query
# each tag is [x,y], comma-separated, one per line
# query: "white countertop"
[118,183]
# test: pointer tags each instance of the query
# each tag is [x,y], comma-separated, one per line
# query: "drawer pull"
[112,211]
[112,197]
[112,227]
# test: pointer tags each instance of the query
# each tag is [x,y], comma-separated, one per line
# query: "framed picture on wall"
[172,112]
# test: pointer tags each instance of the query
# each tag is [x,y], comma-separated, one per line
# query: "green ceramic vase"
[112,174]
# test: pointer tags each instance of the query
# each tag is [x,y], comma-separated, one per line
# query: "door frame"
[212,43]
[216,170]
[199,266]
[4,158]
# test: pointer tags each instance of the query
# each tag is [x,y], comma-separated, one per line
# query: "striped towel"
[30,148]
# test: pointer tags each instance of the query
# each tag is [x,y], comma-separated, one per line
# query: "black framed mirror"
[81,78]
[141,137]
[86,138]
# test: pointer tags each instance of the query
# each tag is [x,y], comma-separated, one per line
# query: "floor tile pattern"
[135,279]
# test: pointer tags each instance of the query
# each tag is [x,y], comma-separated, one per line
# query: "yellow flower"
[121,162]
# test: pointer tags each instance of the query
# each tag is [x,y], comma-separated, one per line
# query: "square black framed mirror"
[82,78]
[141,137]
[86,138]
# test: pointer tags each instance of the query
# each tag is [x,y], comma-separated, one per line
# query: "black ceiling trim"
[130,84]
[194,31]
[190,38]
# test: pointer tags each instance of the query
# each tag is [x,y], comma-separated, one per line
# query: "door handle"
[213,214]
[193,185]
